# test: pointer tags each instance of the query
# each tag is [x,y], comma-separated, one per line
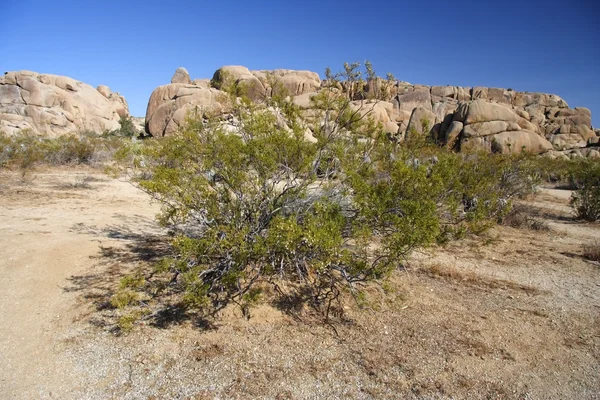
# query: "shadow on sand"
[134,246]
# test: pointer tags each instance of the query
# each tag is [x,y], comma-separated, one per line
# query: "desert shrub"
[557,171]
[592,251]
[585,177]
[524,217]
[127,129]
[25,150]
[256,204]
[70,149]
[123,298]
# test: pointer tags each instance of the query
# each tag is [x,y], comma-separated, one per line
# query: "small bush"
[25,150]
[125,322]
[524,217]
[127,129]
[592,251]
[123,298]
[586,197]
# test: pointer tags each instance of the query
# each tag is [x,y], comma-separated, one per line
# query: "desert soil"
[512,315]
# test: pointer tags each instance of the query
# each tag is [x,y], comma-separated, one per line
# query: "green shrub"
[127,129]
[124,297]
[263,206]
[25,150]
[585,176]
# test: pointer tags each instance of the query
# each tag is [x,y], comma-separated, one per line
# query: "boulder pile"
[55,105]
[499,120]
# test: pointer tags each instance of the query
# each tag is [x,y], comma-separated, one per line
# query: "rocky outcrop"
[494,119]
[296,83]
[169,104]
[55,105]
[181,75]
[509,142]
[421,121]
[497,127]
[259,84]
[242,78]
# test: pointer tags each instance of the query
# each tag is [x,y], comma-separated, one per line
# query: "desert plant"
[255,203]
[25,150]
[591,251]
[586,198]
[265,205]
[524,217]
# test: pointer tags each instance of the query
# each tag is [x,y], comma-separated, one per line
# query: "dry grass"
[443,327]
[456,275]
[79,183]
[592,251]
[524,216]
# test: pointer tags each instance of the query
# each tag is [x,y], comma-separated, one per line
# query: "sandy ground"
[515,315]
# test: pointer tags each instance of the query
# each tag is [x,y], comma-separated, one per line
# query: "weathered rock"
[583,130]
[509,142]
[203,83]
[243,79]
[104,90]
[414,97]
[391,127]
[303,100]
[461,112]
[495,95]
[485,128]
[169,105]
[593,141]
[591,153]
[444,107]
[181,76]
[523,114]
[55,105]
[378,110]
[295,82]
[501,116]
[566,141]
[453,132]
[421,121]
[482,111]
[450,92]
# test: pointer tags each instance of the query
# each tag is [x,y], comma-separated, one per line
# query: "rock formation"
[181,76]
[500,120]
[54,105]
[169,104]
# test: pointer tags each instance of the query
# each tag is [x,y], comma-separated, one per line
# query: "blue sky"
[134,46]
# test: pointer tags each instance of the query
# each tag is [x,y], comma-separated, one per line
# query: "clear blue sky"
[134,46]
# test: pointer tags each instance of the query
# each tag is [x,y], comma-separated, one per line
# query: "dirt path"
[516,316]
[41,248]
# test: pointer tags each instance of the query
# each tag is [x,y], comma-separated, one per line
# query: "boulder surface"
[53,105]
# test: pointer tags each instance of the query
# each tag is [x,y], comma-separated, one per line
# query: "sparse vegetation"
[586,197]
[26,150]
[591,251]
[525,217]
[456,275]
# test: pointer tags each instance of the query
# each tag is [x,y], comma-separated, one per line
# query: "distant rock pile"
[500,120]
[169,104]
[54,105]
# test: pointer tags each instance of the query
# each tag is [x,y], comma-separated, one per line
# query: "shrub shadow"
[132,251]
